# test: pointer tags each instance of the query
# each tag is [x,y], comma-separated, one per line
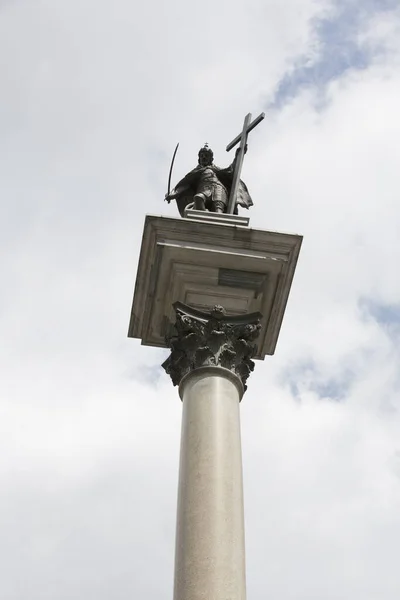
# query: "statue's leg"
[199,202]
[219,199]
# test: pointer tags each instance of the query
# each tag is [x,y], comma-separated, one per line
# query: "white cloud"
[94,96]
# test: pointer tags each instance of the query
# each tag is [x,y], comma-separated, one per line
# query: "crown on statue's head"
[206,149]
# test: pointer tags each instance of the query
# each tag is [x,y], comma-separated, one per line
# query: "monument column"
[200,260]
[210,361]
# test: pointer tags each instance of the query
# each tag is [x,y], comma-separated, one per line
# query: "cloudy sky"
[94,96]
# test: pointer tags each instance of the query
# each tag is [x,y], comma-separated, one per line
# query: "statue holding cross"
[208,187]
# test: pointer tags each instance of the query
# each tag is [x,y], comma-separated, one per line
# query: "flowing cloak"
[186,188]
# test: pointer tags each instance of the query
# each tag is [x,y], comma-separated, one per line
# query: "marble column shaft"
[211,359]
[210,551]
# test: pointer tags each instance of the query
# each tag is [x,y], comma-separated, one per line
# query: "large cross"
[242,138]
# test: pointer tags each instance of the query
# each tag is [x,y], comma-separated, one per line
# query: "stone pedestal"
[211,359]
[208,259]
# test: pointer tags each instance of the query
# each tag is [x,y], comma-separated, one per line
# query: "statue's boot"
[199,202]
[219,206]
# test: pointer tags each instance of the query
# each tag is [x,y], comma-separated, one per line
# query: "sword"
[170,173]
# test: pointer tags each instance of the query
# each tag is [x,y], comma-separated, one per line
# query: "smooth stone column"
[210,551]
[211,360]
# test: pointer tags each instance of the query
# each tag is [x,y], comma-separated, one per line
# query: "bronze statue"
[208,187]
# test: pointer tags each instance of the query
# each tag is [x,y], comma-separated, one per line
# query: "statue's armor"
[215,194]
[207,187]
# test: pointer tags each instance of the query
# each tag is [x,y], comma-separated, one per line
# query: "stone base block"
[206,260]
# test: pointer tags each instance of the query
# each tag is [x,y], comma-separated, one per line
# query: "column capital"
[214,339]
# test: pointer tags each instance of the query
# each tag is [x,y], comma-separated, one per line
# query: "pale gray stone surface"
[210,549]
[204,263]
[204,216]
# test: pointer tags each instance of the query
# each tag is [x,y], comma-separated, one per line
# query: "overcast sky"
[94,96]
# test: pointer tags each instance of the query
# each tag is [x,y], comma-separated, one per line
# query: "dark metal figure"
[207,187]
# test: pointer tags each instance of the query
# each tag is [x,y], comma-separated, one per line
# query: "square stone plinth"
[207,260]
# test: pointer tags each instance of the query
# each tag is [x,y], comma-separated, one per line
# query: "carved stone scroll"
[202,339]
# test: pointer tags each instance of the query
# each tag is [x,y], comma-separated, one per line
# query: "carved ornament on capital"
[200,339]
